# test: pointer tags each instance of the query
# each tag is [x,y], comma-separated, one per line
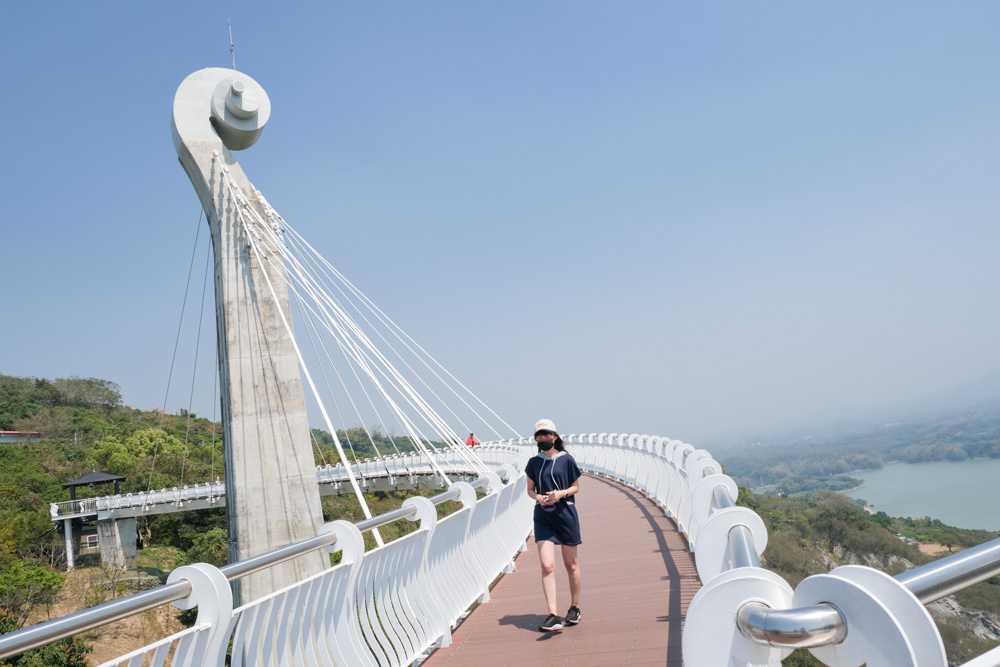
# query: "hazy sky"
[702,220]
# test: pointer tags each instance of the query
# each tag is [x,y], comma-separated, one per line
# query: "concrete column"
[68,535]
[116,538]
[272,496]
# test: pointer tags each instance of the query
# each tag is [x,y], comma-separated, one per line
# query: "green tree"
[23,586]
[133,457]
[882,519]
[88,392]
[211,547]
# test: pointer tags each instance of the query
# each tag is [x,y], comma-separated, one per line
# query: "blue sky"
[705,221]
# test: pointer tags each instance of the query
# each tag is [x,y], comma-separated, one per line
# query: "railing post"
[426,514]
[887,626]
[210,592]
[340,629]
[710,637]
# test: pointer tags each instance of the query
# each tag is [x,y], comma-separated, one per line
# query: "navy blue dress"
[557,523]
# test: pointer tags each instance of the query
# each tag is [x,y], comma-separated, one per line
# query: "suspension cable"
[407,364]
[312,436]
[177,340]
[386,320]
[310,329]
[415,401]
[272,242]
[239,200]
[215,389]
[293,237]
[408,393]
[194,372]
[360,358]
[353,351]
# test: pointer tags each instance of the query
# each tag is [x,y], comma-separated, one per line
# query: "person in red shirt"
[471,441]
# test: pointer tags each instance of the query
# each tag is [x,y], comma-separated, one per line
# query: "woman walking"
[553,481]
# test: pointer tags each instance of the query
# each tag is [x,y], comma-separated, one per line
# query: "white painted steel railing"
[143,502]
[407,471]
[390,605]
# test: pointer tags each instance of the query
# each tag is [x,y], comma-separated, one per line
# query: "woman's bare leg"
[573,569]
[547,557]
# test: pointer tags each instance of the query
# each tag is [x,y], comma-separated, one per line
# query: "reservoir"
[961,493]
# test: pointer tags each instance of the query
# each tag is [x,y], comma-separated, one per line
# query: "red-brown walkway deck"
[638,579]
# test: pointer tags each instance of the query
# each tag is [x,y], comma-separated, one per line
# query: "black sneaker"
[551,624]
[573,615]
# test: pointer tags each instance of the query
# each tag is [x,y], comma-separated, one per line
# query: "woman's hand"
[550,498]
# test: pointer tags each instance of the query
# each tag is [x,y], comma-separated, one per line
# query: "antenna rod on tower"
[232,47]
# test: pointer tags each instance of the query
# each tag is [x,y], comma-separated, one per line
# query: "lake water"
[963,493]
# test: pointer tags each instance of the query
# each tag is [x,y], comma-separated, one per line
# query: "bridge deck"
[638,579]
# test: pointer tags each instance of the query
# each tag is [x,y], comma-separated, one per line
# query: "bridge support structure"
[271,494]
[68,537]
[117,540]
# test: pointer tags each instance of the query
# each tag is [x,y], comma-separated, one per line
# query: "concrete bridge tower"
[272,498]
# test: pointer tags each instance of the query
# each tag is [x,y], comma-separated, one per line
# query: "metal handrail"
[805,627]
[26,639]
[945,576]
[741,550]
[823,624]
[242,568]
[41,634]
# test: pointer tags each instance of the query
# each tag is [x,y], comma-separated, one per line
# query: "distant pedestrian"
[553,481]
[471,441]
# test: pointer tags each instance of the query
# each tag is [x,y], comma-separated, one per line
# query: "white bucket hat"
[545,425]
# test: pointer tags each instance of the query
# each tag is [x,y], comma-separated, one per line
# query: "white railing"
[375,474]
[391,605]
[143,502]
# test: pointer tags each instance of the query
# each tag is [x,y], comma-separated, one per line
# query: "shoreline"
[855,488]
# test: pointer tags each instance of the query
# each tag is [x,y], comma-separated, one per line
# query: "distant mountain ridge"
[960,424]
[977,400]
[981,394]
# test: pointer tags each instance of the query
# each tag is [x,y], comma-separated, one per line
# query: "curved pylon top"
[219,104]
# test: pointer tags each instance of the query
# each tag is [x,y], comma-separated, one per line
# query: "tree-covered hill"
[362,443]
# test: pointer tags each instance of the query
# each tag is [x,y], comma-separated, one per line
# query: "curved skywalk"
[638,579]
